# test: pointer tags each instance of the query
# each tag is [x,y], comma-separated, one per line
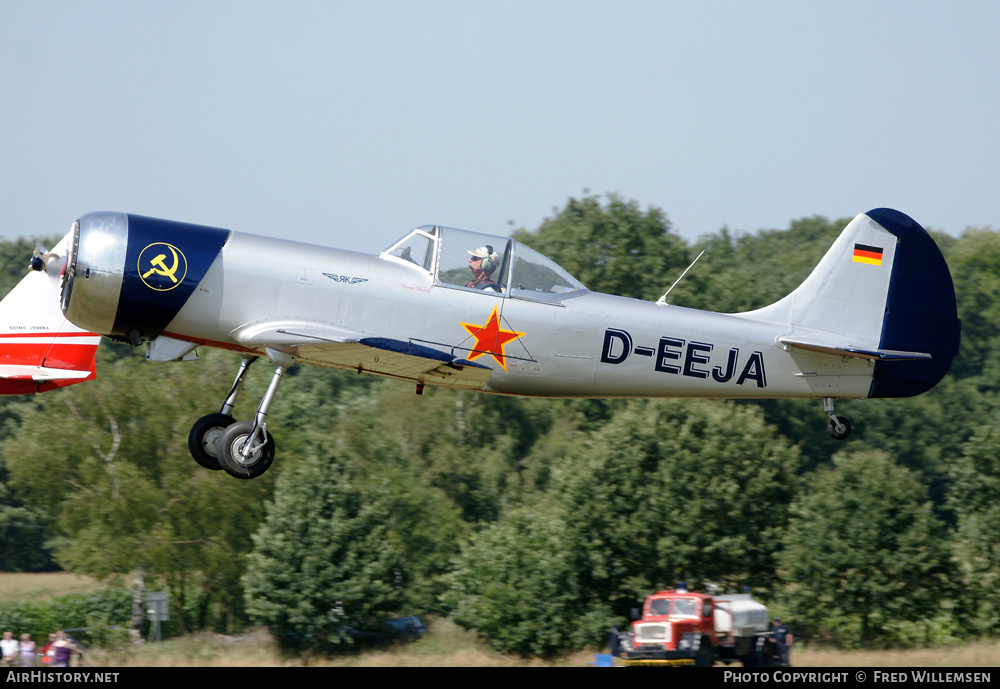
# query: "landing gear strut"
[243,449]
[203,440]
[839,427]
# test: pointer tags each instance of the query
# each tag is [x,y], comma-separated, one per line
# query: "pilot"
[482,262]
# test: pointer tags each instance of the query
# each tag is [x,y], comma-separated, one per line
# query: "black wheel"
[704,657]
[233,440]
[203,440]
[836,434]
[765,653]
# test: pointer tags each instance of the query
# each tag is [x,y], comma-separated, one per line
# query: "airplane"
[39,349]
[877,317]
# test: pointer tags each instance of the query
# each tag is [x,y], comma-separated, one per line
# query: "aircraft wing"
[853,352]
[336,347]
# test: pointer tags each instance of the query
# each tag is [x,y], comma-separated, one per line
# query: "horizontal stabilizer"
[854,352]
[40,373]
[39,349]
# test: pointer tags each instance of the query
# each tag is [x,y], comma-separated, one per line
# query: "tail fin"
[39,349]
[882,292]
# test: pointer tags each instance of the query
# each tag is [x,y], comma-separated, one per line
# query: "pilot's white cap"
[484,252]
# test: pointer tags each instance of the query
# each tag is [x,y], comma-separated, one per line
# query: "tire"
[203,440]
[704,656]
[831,428]
[765,654]
[232,442]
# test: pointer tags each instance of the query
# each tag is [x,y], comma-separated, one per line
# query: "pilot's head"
[483,259]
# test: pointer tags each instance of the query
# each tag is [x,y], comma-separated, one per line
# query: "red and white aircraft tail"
[39,349]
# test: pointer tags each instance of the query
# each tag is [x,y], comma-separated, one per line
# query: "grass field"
[16,586]
[445,645]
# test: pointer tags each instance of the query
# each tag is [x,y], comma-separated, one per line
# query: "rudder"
[921,312]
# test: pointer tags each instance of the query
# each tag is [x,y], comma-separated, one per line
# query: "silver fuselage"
[652,350]
[876,317]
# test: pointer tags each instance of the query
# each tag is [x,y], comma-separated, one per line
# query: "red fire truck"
[681,627]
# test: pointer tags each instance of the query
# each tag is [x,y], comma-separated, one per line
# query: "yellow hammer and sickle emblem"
[160,267]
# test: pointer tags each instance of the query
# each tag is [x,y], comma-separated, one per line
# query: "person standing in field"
[8,647]
[27,651]
[63,648]
[783,637]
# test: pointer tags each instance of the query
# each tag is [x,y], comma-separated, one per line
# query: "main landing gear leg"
[839,427]
[203,440]
[246,449]
[230,403]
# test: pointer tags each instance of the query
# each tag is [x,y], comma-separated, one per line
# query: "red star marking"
[490,339]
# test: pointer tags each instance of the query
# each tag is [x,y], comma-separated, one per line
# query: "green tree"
[452,460]
[863,551]
[973,261]
[517,584]
[747,271]
[22,532]
[468,446]
[14,257]
[22,526]
[324,564]
[108,462]
[975,499]
[673,490]
[665,490]
[616,248]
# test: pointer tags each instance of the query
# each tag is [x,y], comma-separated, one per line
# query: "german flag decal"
[871,255]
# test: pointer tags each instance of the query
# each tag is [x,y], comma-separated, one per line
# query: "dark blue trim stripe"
[921,311]
[415,350]
[153,288]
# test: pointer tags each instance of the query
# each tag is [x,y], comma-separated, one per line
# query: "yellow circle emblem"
[162,266]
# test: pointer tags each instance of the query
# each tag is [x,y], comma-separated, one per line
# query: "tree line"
[537,523]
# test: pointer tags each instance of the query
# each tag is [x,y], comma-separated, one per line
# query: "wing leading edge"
[335,347]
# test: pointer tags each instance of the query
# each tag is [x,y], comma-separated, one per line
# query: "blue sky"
[348,123]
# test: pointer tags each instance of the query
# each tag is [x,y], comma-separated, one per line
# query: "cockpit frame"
[441,254]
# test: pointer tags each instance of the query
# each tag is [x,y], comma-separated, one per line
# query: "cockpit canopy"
[442,253]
